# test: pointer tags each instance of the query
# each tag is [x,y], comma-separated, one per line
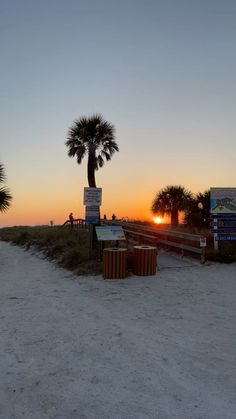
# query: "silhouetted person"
[104,217]
[71,218]
[113,217]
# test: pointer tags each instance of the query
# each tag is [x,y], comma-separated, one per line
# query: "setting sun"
[158,220]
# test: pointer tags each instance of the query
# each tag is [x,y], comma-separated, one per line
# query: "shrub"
[220,256]
[70,259]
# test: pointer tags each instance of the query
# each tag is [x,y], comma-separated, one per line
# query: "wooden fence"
[185,242]
[78,223]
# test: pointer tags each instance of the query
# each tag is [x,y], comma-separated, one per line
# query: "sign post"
[203,243]
[215,235]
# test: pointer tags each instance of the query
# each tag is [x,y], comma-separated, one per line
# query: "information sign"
[92,214]
[226,238]
[223,201]
[223,207]
[110,233]
[223,223]
[203,242]
[224,216]
[92,196]
[90,219]
[224,230]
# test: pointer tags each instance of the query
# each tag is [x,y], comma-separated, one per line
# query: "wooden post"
[203,243]
[215,227]
[203,253]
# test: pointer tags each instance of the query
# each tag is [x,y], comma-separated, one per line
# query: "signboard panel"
[226,238]
[223,216]
[203,242]
[223,200]
[223,223]
[92,210]
[224,230]
[110,233]
[92,214]
[223,207]
[92,196]
[91,220]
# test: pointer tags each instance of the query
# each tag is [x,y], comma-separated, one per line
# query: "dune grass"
[67,247]
[70,247]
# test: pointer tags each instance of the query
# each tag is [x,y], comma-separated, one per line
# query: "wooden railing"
[78,222]
[185,242]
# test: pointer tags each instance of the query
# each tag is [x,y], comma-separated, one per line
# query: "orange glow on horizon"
[29,208]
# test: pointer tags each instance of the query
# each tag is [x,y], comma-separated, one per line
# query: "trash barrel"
[114,263]
[144,260]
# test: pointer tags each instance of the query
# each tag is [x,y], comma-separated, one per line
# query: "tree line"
[172,200]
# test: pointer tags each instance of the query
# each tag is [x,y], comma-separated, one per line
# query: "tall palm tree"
[5,195]
[171,200]
[95,137]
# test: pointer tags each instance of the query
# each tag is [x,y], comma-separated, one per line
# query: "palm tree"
[171,200]
[5,195]
[204,200]
[95,137]
[198,212]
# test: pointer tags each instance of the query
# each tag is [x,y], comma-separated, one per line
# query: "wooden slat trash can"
[144,260]
[114,263]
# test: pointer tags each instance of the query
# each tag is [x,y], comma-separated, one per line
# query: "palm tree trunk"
[174,218]
[91,170]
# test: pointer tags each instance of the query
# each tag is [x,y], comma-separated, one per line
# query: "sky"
[163,72]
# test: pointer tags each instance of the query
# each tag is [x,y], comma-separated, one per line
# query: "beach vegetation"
[5,194]
[70,248]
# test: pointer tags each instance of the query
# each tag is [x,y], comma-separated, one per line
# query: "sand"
[145,347]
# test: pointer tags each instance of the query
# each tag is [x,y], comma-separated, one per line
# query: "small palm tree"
[95,137]
[5,195]
[171,200]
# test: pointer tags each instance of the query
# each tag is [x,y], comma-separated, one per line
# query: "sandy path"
[160,347]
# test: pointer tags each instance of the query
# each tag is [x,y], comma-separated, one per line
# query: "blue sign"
[223,223]
[92,214]
[228,238]
[92,219]
[224,230]
[223,216]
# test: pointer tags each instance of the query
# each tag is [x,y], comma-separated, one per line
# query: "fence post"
[203,255]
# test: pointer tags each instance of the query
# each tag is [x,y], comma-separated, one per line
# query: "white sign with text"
[92,196]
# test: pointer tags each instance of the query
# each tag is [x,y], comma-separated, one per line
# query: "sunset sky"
[162,71]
